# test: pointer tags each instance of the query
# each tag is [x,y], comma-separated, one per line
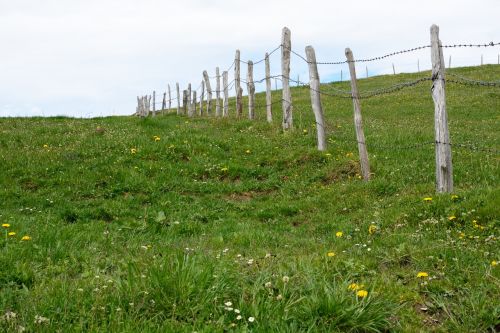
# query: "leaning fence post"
[202,97]
[269,99]
[444,167]
[237,86]
[358,121]
[225,111]
[169,99]
[217,93]
[314,85]
[286,47]
[251,91]
[154,103]
[178,99]
[209,92]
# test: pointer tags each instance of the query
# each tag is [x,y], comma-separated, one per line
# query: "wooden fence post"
[225,112]
[217,93]
[393,69]
[202,96]
[314,84]
[358,121]
[209,92]
[154,103]
[237,85]
[444,167]
[251,91]
[418,65]
[449,62]
[194,103]
[178,98]
[169,99]
[269,99]
[189,96]
[184,101]
[286,47]
[164,103]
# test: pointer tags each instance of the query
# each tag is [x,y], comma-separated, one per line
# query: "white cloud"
[90,57]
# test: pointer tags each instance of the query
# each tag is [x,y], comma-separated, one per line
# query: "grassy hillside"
[171,224]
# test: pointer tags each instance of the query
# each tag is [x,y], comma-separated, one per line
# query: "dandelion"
[349,154]
[428,199]
[353,286]
[247,151]
[422,274]
[5,225]
[452,218]
[224,169]
[239,317]
[362,293]
[331,254]
[328,154]
[339,234]
[26,238]
[251,319]
[11,234]
[494,263]
[372,229]
[45,146]
[285,279]
[133,150]
[305,131]
[454,197]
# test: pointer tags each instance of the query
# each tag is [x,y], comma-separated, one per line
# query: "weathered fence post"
[189,96]
[358,121]
[169,99]
[418,65]
[237,85]
[314,84]
[154,103]
[225,112]
[217,93]
[251,91]
[178,99]
[239,111]
[194,103]
[209,92]
[393,69]
[202,97]
[269,99]
[164,102]
[444,167]
[449,62]
[184,102]
[286,47]
[149,105]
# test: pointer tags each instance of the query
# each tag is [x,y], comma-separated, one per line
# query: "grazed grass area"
[131,233]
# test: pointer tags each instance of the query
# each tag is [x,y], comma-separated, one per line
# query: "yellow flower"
[5,225]
[331,254]
[454,197]
[494,263]
[461,235]
[362,293]
[428,199]
[305,131]
[339,234]
[224,169]
[349,154]
[156,138]
[372,229]
[422,275]
[328,154]
[248,151]
[353,286]
[451,218]
[133,150]
[26,238]
[45,146]
[12,233]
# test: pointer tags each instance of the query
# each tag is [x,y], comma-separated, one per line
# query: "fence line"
[442,144]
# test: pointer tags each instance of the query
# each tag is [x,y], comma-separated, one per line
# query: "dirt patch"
[346,171]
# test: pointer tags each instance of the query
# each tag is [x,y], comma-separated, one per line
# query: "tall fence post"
[314,84]
[202,96]
[189,97]
[225,112]
[178,98]
[184,101]
[358,121]
[209,92]
[169,98]
[286,47]
[444,167]
[164,102]
[269,99]
[237,85]
[251,91]
[154,103]
[393,69]
[149,105]
[217,93]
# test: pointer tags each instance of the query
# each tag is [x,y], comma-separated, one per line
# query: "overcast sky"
[92,58]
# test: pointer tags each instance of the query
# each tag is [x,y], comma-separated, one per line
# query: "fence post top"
[348,51]
[285,29]
[434,28]
[309,47]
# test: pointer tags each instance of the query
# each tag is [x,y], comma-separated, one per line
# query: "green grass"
[228,210]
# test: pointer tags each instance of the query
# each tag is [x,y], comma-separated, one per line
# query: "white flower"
[236,311]
[279,297]
[286,279]
[239,317]
[251,319]
[268,285]
[250,261]
[228,304]
[41,320]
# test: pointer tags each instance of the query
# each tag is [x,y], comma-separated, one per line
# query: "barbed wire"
[470,45]
[471,82]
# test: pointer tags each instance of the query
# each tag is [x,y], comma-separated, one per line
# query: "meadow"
[177,224]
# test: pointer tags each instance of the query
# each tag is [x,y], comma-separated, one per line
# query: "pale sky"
[92,58]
